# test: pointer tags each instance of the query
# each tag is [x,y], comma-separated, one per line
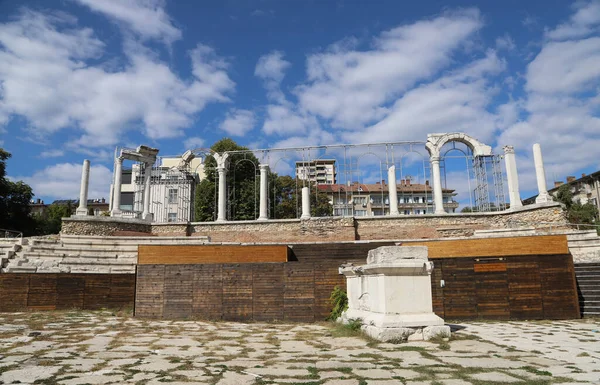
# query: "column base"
[544,198]
[305,217]
[262,218]
[115,213]
[81,212]
[440,212]
[148,217]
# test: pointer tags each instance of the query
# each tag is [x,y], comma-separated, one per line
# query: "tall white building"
[320,171]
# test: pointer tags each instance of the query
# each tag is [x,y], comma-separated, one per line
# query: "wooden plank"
[495,247]
[489,267]
[299,292]
[237,292]
[42,292]
[178,291]
[267,292]
[204,254]
[207,302]
[149,294]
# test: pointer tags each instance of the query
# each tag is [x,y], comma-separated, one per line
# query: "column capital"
[119,159]
[509,149]
[263,166]
[435,159]
[222,160]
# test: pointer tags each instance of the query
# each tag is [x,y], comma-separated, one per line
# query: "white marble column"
[263,192]
[512,177]
[437,185]
[305,203]
[543,196]
[392,190]
[83,189]
[221,169]
[116,205]
[146,214]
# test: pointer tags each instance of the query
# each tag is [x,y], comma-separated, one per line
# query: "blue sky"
[78,77]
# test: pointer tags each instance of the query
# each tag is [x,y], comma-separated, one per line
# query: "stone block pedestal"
[391,295]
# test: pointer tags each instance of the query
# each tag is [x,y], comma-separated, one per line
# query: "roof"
[377,187]
[585,178]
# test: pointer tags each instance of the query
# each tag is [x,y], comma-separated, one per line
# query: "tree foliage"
[243,189]
[50,222]
[242,184]
[14,202]
[576,211]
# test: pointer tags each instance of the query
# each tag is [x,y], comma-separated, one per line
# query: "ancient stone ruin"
[391,295]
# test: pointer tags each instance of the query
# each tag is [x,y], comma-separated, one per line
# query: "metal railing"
[6,234]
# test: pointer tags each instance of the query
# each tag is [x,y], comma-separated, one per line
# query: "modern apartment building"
[320,171]
[359,199]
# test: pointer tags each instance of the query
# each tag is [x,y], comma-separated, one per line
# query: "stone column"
[263,192]
[437,185]
[83,190]
[512,177]
[221,169]
[392,189]
[116,205]
[305,203]
[146,214]
[543,196]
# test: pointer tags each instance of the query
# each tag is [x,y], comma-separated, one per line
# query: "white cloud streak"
[238,122]
[147,18]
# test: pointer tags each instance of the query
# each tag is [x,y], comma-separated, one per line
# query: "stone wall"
[103,226]
[457,225]
[331,228]
[283,230]
[170,229]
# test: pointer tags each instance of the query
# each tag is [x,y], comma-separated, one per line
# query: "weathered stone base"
[406,334]
[398,327]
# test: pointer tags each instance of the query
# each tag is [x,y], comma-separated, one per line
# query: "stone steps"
[588,284]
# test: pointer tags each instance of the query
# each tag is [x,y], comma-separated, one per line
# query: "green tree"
[287,203]
[14,202]
[242,184]
[576,212]
[51,221]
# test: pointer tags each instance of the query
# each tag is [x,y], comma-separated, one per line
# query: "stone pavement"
[80,347]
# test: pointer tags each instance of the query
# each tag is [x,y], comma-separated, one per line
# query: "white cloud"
[63,180]
[271,69]
[193,142]
[52,154]
[565,67]
[147,18]
[350,87]
[583,22]
[455,102]
[561,105]
[238,122]
[505,43]
[46,79]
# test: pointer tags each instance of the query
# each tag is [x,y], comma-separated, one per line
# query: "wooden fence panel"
[299,292]
[14,291]
[437,291]
[42,292]
[559,290]
[178,291]
[150,291]
[525,288]
[491,287]
[267,291]
[237,292]
[208,291]
[460,297]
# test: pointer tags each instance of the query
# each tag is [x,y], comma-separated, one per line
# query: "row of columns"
[223,160]
[511,175]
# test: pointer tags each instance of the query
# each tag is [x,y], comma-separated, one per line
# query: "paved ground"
[102,348]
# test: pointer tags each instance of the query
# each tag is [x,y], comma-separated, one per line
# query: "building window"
[360,200]
[172,196]
[360,213]
[172,217]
